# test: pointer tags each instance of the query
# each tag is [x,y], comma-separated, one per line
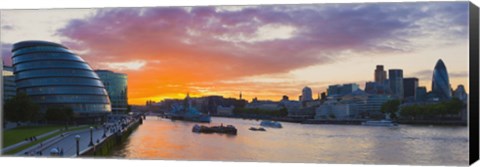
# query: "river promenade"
[66,146]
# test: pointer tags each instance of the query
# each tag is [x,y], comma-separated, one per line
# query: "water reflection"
[164,139]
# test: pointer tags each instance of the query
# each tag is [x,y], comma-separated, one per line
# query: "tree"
[454,106]
[59,114]
[391,107]
[21,108]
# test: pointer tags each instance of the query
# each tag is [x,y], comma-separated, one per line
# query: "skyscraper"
[396,82]
[341,90]
[460,93]
[54,76]
[306,94]
[440,82]
[421,93]
[410,86]
[380,74]
[116,86]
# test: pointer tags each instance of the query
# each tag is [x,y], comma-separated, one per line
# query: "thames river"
[160,138]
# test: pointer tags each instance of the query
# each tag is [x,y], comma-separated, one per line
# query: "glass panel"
[59,81]
[40,49]
[66,90]
[46,56]
[51,64]
[70,99]
[55,73]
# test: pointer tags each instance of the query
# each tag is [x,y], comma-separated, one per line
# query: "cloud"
[7,27]
[6,53]
[206,44]
[462,74]
[122,66]
[427,74]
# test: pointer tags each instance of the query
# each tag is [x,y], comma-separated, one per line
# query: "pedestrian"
[61,152]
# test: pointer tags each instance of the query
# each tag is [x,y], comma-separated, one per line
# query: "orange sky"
[261,51]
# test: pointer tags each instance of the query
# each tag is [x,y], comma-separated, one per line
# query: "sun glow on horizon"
[262,51]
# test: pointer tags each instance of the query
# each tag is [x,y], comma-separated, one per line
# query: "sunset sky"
[262,51]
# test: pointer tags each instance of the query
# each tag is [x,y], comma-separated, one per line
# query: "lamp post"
[104,132]
[91,136]
[77,138]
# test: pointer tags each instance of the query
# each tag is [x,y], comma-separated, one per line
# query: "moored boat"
[379,123]
[229,129]
[272,124]
[187,112]
[257,129]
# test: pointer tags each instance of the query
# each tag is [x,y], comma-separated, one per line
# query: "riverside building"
[9,88]
[396,82]
[54,76]
[116,86]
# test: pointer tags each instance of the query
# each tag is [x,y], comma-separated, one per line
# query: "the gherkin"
[440,82]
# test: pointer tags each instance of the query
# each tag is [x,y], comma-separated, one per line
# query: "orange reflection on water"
[160,138]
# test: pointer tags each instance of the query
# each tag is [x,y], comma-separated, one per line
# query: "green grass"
[19,134]
[18,149]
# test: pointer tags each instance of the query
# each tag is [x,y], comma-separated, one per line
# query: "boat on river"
[257,129]
[229,129]
[271,124]
[379,123]
[187,113]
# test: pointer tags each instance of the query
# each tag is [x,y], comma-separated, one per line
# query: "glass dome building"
[53,76]
[440,82]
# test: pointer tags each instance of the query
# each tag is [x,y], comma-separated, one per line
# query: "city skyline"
[169,51]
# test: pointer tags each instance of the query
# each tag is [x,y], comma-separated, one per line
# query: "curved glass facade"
[116,85]
[55,77]
[440,81]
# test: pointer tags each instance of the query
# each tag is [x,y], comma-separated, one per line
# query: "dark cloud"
[6,53]
[7,27]
[203,44]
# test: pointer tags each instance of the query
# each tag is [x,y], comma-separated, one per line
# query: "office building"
[306,94]
[380,74]
[421,93]
[396,82]
[460,93]
[410,86]
[440,83]
[340,90]
[9,88]
[116,86]
[54,76]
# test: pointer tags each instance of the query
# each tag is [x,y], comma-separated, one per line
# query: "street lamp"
[91,136]
[104,132]
[77,138]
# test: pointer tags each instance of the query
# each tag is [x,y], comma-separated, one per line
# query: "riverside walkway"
[67,142]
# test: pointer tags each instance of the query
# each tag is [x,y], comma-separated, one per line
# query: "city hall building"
[54,76]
